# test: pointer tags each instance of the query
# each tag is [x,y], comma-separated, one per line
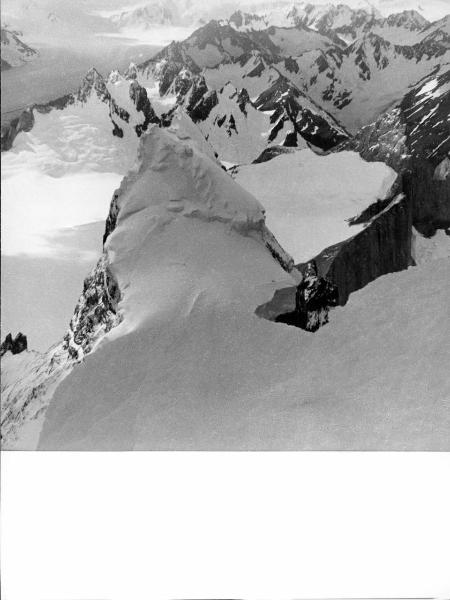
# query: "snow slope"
[190,366]
[255,75]
[309,210]
[187,240]
[371,379]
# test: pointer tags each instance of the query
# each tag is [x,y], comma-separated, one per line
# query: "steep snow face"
[438,31]
[214,44]
[234,128]
[296,40]
[255,75]
[310,209]
[14,52]
[370,379]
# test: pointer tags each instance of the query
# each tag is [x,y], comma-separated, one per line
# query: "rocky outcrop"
[429,197]
[306,306]
[383,246]
[308,121]
[15,346]
[24,122]
[96,312]
[138,95]
[93,82]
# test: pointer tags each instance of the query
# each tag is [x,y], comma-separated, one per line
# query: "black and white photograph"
[225,226]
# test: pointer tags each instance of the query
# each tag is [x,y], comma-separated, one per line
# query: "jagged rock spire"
[93,80]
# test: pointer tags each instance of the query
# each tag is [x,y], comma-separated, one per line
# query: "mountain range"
[275,261]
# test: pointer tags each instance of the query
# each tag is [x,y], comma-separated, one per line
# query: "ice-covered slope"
[310,209]
[14,51]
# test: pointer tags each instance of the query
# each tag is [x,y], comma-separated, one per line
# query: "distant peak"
[93,80]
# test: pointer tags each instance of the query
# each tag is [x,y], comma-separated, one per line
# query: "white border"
[132,526]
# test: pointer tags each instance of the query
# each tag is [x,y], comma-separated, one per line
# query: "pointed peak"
[93,75]
[131,72]
[93,80]
[174,176]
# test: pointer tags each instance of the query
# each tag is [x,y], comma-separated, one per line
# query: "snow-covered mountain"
[358,83]
[354,84]
[161,13]
[181,233]
[99,111]
[14,52]
[272,169]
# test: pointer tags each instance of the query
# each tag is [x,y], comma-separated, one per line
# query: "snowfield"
[308,210]
[151,332]
[192,367]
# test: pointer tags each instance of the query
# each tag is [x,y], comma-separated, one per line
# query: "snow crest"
[169,178]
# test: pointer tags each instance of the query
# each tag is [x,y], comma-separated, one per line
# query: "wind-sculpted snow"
[171,343]
[214,380]
[188,364]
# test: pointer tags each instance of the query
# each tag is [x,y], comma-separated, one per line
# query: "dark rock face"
[384,246]
[96,312]
[15,346]
[313,298]
[201,110]
[271,152]
[93,81]
[429,197]
[139,96]
[113,213]
[23,123]
[413,139]
[168,64]
[305,306]
[291,105]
